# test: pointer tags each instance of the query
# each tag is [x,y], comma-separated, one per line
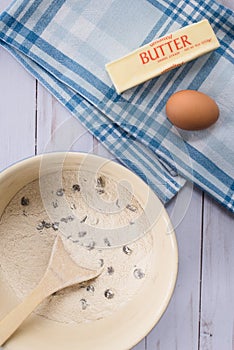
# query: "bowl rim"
[164,220]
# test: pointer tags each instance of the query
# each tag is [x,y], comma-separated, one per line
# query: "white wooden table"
[201,312]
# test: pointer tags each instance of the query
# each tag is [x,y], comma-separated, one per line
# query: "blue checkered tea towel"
[66,44]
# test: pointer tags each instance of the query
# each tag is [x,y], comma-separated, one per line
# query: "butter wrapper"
[162,55]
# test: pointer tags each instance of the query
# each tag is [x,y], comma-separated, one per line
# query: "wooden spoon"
[61,272]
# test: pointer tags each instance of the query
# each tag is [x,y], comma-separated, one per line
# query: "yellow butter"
[162,55]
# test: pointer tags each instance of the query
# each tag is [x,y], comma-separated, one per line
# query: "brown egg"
[191,110]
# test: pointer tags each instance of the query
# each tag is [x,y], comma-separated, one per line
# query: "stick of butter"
[162,55]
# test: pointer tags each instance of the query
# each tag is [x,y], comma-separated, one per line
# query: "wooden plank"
[228,3]
[178,327]
[4,4]
[217,294]
[217,300]
[17,111]
[140,346]
[57,129]
[101,151]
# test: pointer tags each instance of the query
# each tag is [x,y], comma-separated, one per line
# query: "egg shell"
[191,110]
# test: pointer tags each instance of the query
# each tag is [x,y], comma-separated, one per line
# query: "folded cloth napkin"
[66,44]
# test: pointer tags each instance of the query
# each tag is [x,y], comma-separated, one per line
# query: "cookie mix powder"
[101,224]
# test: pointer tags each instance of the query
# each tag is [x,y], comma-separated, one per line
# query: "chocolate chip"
[84,219]
[24,201]
[127,250]
[76,188]
[101,262]
[101,182]
[91,245]
[60,192]
[139,274]
[55,204]
[55,226]
[90,288]
[67,219]
[82,234]
[107,242]
[84,304]
[110,270]
[40,226]
[131,207]
[109,294]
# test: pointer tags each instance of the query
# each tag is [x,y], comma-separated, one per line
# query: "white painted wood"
[102,151]
[57,130]
[178,328]
[227,3]
[217,293]
[17,111]
[141,345]
[4,4]
[217,311]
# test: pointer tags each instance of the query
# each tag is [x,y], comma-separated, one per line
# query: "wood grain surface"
[200,315]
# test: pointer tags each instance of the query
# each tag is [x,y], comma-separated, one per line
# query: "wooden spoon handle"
[15,318]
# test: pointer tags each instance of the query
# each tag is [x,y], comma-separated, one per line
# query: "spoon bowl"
[62,272]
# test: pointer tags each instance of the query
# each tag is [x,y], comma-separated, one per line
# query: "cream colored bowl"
[130,323]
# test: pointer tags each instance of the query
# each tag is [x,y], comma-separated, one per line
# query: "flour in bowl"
[101,224]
